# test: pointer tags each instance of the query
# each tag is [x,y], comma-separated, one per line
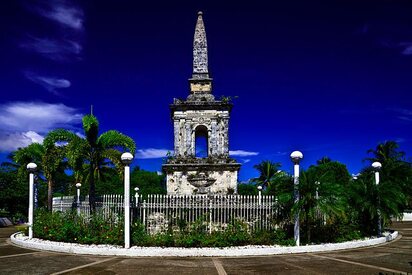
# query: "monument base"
[201,178]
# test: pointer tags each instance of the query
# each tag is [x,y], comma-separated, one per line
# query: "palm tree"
[395,168]
[368,199]
[386,152]
[319,198]
[323,160]
[267,172]
[49,160]
[91,156]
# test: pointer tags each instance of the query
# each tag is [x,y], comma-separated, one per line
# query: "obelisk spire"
[200,83]
[200,64]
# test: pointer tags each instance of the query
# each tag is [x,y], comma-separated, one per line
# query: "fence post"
[144,213]
[210,214]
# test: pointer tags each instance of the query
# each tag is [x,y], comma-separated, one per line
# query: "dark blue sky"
[329,78]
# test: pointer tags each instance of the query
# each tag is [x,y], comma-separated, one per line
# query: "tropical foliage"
[268,171]
[93,155]
[332,206]
[69,227]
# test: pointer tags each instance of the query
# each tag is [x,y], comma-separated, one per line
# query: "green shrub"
[22,228]
[98,229]
[69,227]
[236,234]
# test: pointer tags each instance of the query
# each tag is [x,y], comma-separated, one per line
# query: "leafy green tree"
[368,199]
[395,168]
[110,182]
[331,171]
[320,198]
[49,160]
[267,172]
[390,197]
[247,189]
[90,157]
[14,191]
[282,188]
[323,160]
[31,153]
[148,182]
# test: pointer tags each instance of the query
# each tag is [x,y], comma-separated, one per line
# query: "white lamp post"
[126,160]
[78,185]
[31,168]
[136,195]
[259,188]
[296,156]
[377,166]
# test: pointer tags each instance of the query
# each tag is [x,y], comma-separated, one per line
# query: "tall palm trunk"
[50,194]
[308,225]
[92,190]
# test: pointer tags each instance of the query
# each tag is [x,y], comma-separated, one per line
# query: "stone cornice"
[184,105]
[201,167]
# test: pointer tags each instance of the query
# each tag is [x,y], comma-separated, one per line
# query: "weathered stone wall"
[178,183]
[217,124]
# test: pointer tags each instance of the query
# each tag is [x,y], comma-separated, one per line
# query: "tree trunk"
[92,190]
[50,195]
[307,227]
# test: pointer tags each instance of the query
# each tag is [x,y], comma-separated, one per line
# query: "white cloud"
[62,12]
[407,48]
[22,123]
[152,153]
[36,116]
[54,49]
[11,141]
[49,83]
[242,153]
[68,16]
[80,135]
[403,114]
[400,140]
[245,160]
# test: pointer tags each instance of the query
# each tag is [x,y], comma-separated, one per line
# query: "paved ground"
[392,258]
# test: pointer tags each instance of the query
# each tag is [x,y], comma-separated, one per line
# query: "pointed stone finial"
[200,83]
[200,64]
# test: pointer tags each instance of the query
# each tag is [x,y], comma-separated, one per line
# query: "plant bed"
[252,250]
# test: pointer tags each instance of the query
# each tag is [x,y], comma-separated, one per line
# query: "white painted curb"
[135,251]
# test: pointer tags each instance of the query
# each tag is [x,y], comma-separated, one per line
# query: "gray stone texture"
[200,114]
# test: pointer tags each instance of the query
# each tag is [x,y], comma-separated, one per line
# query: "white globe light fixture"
[126,159]
[31,168]
[296,156]
[377,165]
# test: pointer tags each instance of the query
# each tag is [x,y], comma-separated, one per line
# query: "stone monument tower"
[201,118]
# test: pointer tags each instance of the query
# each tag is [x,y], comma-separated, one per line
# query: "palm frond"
[113,139]
[91,128]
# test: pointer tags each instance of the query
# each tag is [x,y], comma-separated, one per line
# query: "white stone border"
[135,251]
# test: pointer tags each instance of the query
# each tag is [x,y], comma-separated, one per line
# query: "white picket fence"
[159,212]
[107,205]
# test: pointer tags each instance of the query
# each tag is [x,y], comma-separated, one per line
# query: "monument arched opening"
[201,142]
